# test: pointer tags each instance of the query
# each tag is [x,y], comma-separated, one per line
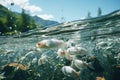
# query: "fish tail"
[78,73]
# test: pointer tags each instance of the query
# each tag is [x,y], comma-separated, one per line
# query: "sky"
[62,10]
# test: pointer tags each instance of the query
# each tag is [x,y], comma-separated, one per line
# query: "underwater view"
[85,49]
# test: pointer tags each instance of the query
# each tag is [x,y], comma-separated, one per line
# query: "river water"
[100,36]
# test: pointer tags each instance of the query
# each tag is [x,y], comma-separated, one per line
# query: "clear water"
[85,33]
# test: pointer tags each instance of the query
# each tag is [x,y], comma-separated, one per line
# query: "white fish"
[51,43]
[79,64]
[69,57]
[69,71]
[63,54]
[43,59]
[77,51]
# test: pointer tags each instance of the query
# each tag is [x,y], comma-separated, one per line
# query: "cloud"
[16,2]
[25,4]
[46,16]
[4,2]
[32,8]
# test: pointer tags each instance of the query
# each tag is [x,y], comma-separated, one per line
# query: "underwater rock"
[96,65]
[116,73]
[17,65]
[17,71]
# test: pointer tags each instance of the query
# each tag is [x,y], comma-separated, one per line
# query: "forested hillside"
[15,23]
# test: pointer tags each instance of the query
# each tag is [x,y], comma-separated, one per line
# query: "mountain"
[39,20]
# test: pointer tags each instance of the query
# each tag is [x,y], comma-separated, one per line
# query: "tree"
[3,28]
[25,24]
[32,24]
[89,15]
[10,21]
[99,12]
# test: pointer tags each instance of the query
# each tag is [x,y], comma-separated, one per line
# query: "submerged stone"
[17,71]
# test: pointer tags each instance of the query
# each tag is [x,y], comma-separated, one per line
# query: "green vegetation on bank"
[11,23]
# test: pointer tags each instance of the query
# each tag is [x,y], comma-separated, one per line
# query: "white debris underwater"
[80,50]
